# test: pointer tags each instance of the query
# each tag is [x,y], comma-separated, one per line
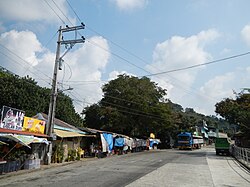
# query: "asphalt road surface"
[149,168]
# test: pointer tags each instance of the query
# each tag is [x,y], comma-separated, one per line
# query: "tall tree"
[236,111]
[131,106]
[25,94]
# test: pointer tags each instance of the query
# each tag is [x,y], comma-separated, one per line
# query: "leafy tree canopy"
[25,94]
[131,106]
[236,111]
[137,106]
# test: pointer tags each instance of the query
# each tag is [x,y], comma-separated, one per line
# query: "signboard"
[11,118]
[33,125]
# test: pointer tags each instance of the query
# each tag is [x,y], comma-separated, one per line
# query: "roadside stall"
[22,141]
[16,152]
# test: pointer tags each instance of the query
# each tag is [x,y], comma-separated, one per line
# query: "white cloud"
[85,63]
[245,32]
[22,44]
[179,52]
[218,86]
[130,4]
[30,10]
[2,28]
[221,87]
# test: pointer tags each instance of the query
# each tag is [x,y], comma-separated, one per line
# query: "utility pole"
[54,91]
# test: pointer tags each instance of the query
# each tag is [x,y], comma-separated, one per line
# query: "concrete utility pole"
[54,92]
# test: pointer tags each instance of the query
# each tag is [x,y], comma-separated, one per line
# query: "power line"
[55,12]
[41,53]
[133,110]
[130,53]
[197,65]
[8,71]
[123,111]
[13,60]
[22,60]
[61,11]
[74,11]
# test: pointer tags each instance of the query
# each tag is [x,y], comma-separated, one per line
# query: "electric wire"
[13,60]
[133,110]
[41,53]
[22,60]
[120,57]
[136,56]
[198,65]
[61,12]
[119,110]
[55,12]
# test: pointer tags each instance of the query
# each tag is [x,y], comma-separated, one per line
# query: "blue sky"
[152,35]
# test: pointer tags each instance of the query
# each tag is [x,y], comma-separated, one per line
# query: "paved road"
[149,168]
[197,168]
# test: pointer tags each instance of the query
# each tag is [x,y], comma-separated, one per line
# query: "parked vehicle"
[187,140]
[222,145]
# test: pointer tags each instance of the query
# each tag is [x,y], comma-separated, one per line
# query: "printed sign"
[33,125]
[11,118]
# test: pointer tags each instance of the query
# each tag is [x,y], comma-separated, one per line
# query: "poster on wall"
[33,125]
[11,118]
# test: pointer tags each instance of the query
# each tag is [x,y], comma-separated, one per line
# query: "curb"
[43,167]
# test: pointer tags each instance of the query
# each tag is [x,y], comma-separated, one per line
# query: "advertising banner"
[11,118]
[33,125]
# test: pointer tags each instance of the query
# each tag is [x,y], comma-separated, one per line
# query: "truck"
[222,144]
[186,140]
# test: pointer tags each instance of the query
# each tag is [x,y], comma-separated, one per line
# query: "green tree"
[236,111]
[131,105]
[25,94]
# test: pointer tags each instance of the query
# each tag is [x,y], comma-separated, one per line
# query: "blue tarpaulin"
[153,141]
[119,142]
[109,139]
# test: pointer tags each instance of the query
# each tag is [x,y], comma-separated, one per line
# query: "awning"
[67,134]
[24,140]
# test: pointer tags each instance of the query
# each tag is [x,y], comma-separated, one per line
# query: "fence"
[242,155]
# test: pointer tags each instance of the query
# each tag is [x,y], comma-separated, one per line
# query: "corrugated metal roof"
[59,124]
[67,134]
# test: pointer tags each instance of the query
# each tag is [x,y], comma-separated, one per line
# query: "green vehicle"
[222,145]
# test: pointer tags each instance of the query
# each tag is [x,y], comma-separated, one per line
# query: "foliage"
[236,111]
[15,155]
[132,106]
[136,107]
[58,154]
[25,94]
[72,155]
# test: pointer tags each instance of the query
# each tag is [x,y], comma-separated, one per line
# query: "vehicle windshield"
[183,138]
[221,140]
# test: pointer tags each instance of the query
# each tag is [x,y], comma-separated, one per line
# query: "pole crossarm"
[68,29]
[73,41]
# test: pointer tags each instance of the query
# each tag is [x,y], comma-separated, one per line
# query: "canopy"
[67,134]
[24,140]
